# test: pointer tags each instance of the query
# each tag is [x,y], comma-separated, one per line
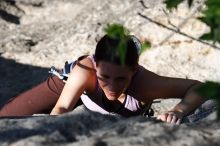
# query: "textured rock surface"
[93,129]
[36,34]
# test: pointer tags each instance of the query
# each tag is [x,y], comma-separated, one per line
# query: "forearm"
[190,99]
[190,102]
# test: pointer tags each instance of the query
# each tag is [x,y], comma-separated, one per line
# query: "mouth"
[113,94]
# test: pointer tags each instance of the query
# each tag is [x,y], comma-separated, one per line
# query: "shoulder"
[86,63]
[84,73]
[142,82]
[143,76]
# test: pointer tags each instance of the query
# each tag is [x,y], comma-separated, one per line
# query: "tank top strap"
[92,57]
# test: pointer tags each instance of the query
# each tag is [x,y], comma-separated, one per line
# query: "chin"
[110,97]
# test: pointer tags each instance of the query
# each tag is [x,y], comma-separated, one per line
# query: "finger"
[169,118]
[178,121]
[159,117]
[174,119]
[162,117]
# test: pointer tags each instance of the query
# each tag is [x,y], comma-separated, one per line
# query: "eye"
[105,76]
[121,79]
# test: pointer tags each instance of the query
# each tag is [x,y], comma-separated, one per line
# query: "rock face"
[93,129]
[36,34]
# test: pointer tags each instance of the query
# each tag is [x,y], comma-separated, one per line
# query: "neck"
[121,98]
[113,105]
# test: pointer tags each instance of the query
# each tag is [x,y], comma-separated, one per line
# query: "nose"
[112,86]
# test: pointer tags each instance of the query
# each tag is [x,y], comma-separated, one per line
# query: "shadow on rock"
[54,129]
[16,78]
[10,12]
[9,17]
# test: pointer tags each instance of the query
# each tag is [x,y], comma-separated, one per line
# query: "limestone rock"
[36,34]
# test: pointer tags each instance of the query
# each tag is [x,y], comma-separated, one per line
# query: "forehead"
[110,68]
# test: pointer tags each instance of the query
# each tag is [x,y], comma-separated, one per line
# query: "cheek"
[122,86]
[125,84]
[102,83]
[117,86]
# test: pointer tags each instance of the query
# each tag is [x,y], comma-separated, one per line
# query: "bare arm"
[154,86]
[188,104]
[150,86]
[190,100]
[80,80]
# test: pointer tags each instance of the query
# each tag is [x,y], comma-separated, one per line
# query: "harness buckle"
[55,72]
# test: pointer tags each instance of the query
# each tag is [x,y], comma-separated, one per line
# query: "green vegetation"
[118,31]
[145,45]
[210,90]
[211,16]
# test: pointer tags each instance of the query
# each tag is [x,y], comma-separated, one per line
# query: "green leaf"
[206,20]
[206,36]
[118,31]
[145,45]
[170,4]
[122,49]
[211,16]
[217,35]
[209,89]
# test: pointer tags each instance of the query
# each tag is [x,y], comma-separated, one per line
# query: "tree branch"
[176,31]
